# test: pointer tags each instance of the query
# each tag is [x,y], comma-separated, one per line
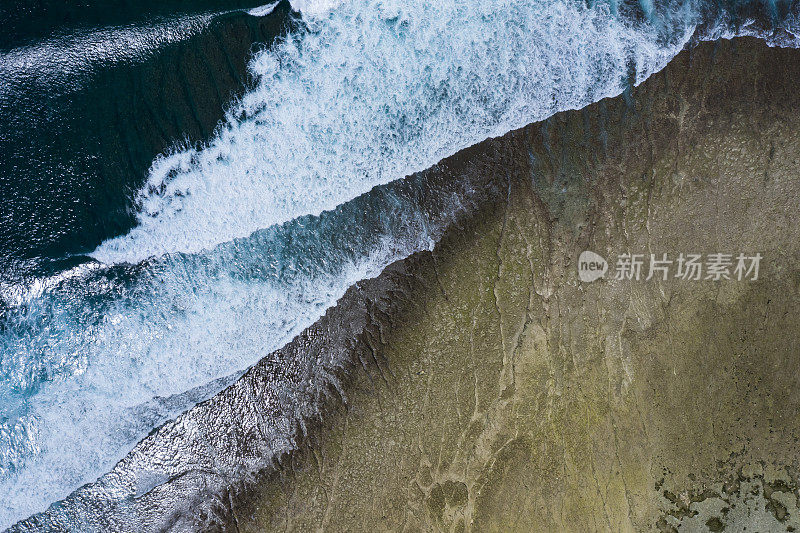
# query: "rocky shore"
[494,391]
[483,387]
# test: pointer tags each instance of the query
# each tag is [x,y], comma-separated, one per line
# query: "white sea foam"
[262,11]
[375,90]
[94,357]
[314,8]
[90,366]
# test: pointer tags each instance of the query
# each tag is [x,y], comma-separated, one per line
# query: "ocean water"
[88,104]
[186,185]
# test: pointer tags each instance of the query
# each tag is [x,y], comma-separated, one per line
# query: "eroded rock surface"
[494,391]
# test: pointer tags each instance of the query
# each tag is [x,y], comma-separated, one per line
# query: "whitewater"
[373,91]
[236,248]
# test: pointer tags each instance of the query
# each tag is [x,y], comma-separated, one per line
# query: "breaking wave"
[96,357]
[236,250]
[372,91]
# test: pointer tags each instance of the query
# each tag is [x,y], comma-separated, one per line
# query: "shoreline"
[510,253]
[396,458]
